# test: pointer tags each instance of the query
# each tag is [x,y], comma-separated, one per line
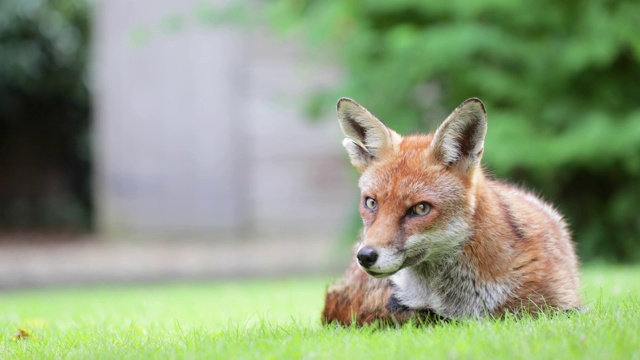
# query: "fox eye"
[420,209]
[370,203]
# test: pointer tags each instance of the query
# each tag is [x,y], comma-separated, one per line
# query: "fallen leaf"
[21,334]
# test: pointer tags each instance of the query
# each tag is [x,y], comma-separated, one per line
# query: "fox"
[441,238]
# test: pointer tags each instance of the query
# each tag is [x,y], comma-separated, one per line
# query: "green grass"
[280,319]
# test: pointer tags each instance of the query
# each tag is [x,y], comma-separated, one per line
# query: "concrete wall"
[199,130]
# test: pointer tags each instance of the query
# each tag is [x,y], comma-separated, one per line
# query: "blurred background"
[160,139]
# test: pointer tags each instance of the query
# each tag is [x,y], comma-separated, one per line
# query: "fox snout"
[380,261]
[367,256]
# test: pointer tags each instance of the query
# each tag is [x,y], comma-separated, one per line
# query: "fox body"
[440,238]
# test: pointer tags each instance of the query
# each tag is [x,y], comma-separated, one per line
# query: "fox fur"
[449,242]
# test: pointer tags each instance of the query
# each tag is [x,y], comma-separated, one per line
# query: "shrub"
[44,114]
[560,80]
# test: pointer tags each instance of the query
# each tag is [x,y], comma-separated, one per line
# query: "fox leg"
[361,299]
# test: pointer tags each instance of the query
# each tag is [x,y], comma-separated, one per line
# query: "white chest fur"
[451,289]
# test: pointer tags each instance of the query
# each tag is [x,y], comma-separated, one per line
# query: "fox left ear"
[459,141]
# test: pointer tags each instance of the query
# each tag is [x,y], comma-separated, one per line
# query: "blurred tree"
[44,114]
[561,81]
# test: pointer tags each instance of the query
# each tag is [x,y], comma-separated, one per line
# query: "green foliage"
[281,320]
[44,46]
[44,114]
[560,80]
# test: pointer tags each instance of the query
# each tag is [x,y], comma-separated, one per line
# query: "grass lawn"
[280,319]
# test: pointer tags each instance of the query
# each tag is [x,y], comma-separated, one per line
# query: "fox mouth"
[409,261]
[380,275]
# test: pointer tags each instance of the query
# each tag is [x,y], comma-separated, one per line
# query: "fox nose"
[367,256]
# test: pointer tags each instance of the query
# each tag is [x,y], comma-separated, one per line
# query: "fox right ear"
[367,138]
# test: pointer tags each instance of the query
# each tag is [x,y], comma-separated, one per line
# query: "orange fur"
[484,248]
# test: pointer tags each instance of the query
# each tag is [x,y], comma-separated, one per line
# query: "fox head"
[418,191]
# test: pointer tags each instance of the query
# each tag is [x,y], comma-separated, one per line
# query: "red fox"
[440,238]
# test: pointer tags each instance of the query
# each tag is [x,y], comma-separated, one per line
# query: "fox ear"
[459,141]
[367,138]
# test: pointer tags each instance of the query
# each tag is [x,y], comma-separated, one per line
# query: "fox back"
[440,238]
